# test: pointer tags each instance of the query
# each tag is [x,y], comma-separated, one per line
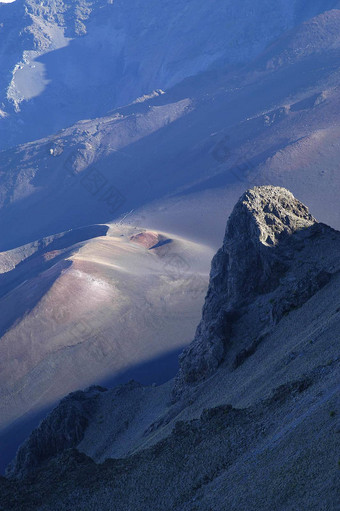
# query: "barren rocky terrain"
[241,436]
[63,61]
[128,132]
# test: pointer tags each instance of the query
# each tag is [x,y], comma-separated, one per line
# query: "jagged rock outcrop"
[62,429]
[209,462]
[269,241]
[258,414]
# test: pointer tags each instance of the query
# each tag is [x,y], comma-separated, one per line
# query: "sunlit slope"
[194,149]
[106,305]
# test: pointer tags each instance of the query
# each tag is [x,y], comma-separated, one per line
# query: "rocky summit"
[256,393]
[143,366]
[265,235]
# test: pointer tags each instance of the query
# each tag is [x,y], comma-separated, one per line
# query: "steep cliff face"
[272,302]
[269,241]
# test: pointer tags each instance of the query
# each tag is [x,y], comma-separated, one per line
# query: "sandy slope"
[259,434]
[76,313]
[102,307]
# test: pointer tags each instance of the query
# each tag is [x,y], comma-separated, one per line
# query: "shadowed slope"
[78,312]
[261,433]
[180,154]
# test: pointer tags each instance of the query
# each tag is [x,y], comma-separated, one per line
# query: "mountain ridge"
[167,114]
[248,264]
[209,126]
[297,394]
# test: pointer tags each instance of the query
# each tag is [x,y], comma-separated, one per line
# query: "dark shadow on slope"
[158,371]
[161,244]
[244,171]
[15,305]
[104,68]
[180,150]
[44,267]
[306,103]
[76,236]
[47,255]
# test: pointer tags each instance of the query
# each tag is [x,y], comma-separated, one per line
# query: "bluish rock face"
[128,131]
[268,234]
[65,61]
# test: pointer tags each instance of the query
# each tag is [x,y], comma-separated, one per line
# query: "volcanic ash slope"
[251,420]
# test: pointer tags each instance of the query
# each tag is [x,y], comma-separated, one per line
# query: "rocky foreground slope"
[251,421]
[89,306]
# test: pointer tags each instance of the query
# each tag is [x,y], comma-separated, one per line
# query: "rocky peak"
[265,234]
[262,219]
[274,258]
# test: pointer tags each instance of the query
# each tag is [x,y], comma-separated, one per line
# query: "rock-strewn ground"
[262,432]
[279,454]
